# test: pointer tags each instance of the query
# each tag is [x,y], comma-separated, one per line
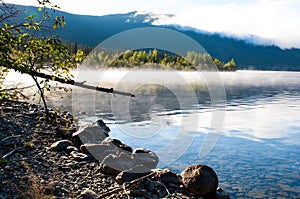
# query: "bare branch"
[79,84]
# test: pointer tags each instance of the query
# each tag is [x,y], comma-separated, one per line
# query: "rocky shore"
[54,158]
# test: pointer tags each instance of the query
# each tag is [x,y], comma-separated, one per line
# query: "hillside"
[91,30]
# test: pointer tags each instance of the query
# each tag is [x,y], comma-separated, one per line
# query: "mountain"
[91,30]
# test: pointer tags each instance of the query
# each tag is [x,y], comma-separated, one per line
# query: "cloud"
[261,21]
[276,21]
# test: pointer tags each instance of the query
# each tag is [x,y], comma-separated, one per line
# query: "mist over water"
[257,154]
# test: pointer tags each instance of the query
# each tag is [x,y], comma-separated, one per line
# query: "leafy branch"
[40,57]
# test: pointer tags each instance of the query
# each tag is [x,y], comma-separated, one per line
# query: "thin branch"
[10,137]
[11,152]
[22,88]
[42,95]
[126,185]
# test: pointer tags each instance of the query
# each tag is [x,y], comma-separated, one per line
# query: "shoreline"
[30,169]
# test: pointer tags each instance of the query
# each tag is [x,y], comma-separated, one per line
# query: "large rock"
[113,164]
[117,143]
[60,145]
[130,175]
[167,177]
[146,158]
[200,180]
[89,134]
[98,151]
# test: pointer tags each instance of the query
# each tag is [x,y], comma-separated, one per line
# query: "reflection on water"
[258,153]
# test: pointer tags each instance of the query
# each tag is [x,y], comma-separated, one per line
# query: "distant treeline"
[152,58]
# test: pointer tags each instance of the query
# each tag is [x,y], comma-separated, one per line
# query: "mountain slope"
[91,30]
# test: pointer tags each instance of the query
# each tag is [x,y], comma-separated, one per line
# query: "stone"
[127,176]
[146,158]
[88,134]
[79,156]
[103,126]
[138,194]
[157,188]
[221,194]
[60,145]
[108,170]
[117,143]
[113,164]
[71,148]
[200,180]
[167,176]
[98,151]
[88,194]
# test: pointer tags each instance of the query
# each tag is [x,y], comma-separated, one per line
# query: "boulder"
[146,158]
[113,164]
[88,134]
[129,175]
[60,145]
[98,151]
[167,177]
[200,180]
[117,143]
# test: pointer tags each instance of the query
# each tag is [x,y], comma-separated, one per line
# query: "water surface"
[256,154]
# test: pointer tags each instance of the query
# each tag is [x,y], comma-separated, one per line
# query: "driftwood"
[79,84]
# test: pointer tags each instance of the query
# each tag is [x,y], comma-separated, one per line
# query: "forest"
[155,59]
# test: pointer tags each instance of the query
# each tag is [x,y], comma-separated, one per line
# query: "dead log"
[79,84]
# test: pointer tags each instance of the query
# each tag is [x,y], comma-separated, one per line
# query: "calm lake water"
[256,152]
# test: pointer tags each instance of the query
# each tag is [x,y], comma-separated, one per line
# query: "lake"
[244,124]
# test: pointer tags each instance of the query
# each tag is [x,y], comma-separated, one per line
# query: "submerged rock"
[200,180]
[221,194]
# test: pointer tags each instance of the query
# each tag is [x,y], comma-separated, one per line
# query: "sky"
[270,21]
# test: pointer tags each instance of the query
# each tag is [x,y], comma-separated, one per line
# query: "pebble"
[63,172]
[88,194]
[60,145]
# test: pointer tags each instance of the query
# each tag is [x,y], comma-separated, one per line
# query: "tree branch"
[79,84]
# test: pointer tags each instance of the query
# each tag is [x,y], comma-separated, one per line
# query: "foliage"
[156,58]
[22,50]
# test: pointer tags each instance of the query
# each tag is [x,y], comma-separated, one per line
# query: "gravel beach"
[28,169]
